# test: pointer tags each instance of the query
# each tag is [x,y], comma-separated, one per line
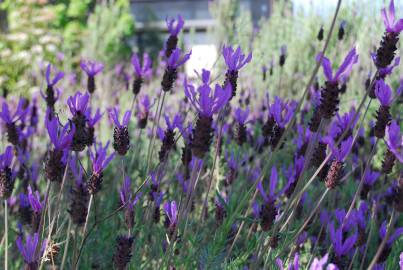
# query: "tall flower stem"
[85,229]
[66,245]
[5,235]
[358,191]
[384,241]
[155,124]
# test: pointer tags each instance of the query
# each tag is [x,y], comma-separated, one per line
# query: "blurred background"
[36,32]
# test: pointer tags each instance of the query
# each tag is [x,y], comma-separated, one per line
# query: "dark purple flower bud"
[140,71]
[6,175]
[78,107]
[92,120]
[283,55]
[61,140]
[383,117]
[126,199]
[207,103]
[281,113]
[10,120]
[342,29]
[100,160]
[394,140]
[241,117]
[143,109]
[174,30]
[268,210]
[24,210]
[168,136]
[234,60]
[92,68]
[121,138]
[50,95]
[320,33]
[29,250]
[171,212]
[123,253]
[173,63]
[79,195]
[341,248]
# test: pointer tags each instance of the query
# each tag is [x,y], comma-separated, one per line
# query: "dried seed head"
[51,252]
[202,136]
[6,183]
[54,167]
[387,49]
[334,174]
[121,140]
[123,251]
[95,183]
[383,119]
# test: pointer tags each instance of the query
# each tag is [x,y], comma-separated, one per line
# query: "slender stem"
[66,245]
[85,229]
[5,235]
[384,241]
[153,135]
[358,191]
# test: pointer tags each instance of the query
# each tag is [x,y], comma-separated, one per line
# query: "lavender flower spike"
[394,140]
[121,139]
[92,68]
[6,179]
[234,60]
[100,160]
[140,71]
[174,30]
[207,103]
[344,69]
[171,211]
[29,250]
[60,138]
[171,73]
[341,247]
[392,25]
[10,119]
[383,117]
[78,103]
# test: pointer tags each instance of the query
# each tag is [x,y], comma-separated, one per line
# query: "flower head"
[114,115]
[175,60]
[34,199]
[141,71]
[343,71]
[370,177]
[172,28]
[206,101]
[394,140]
[52,82]
[241,116]
[388,16]
[143,107]
[171,211]
[6,158]
[235,60]
[126,197]
[99,157]
[339,153]
[341,247]
[383,92]
[78,103]
[395,235]
[90,67]
[29,249]
[60,137]
[19,113]
[273,183]
[282,111]
[383,72]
